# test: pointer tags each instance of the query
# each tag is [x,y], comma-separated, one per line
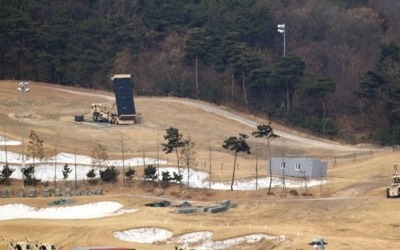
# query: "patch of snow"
[194,238]
[7,142]
[47,170]
[199,239]
[144,235]
[247,239]
[85,211]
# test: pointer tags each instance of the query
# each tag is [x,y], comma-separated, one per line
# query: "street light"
[281,29]
[23,87]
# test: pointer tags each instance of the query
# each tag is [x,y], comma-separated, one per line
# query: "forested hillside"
[334,70]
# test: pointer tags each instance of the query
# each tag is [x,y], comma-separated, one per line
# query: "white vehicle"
[106,112]
[393,189]
[102,112]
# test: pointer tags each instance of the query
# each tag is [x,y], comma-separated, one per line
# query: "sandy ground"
[349,212]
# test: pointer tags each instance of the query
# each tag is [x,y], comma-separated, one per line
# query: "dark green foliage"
[286,77]
[130,173]
[29,176]
[174,141]
[210,92]
[388,137]
[315,90]
[321,126]
[66,171]
[150,172]
[82,43]
[259,90]
[165,177]
[109,174]
[370,83]
[268,132]
[177,177]
[379,93]
[236,144]
[198,45]
[91,174]
[6,173]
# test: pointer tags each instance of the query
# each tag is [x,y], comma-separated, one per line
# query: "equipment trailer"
[123,110]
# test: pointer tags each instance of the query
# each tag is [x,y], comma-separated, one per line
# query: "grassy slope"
[353,214]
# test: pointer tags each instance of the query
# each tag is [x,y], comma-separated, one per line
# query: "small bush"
[150,172]
[130,173]
[110,174]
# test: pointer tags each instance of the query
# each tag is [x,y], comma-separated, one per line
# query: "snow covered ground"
[86,211]
[51,168]
[147,235]
[200,239]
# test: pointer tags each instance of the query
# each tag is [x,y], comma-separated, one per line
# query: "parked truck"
[102,112]
[393,189]
[122,111]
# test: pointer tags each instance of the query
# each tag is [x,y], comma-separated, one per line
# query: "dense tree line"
[341,60]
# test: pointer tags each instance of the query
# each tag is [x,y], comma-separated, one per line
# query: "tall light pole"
[23,87]
[281,29]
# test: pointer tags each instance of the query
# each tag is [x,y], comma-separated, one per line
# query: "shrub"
[130,173]
[110,174]
[150,172]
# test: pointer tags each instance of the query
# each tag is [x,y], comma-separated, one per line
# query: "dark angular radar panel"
[123,94]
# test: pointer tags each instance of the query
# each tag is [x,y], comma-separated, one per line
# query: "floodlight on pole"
[23,88]
[281,29]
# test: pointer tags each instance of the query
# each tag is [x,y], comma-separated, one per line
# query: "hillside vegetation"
[338,75]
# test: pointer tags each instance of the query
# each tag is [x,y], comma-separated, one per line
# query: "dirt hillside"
[349,212]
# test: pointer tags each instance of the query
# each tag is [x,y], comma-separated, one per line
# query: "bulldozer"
[393,189]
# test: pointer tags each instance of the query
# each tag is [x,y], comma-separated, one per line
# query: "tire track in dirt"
[297,139]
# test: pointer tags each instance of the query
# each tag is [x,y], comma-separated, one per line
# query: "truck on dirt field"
[393,189]
[122,111]
[103,112]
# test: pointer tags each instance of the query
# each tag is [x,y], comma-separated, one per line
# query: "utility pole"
[5,146]
[23,88]
[76,175]
[55,163]
[210,166]
[282,29]
[123,160]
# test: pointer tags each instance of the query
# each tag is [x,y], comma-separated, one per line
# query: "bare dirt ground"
[350,211]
